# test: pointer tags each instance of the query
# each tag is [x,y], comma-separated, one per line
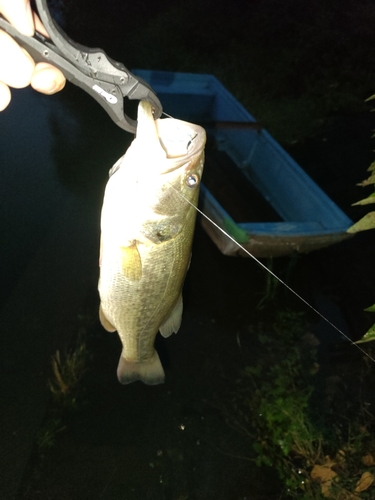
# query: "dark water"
[166,442]
[52,178]
[160,442]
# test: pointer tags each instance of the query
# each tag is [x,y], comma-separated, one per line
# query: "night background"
[304,70]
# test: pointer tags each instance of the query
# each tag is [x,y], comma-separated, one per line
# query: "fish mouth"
[173,141]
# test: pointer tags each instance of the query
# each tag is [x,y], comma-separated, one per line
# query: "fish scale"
[146,237]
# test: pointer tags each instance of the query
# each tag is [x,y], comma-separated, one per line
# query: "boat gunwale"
[300,229]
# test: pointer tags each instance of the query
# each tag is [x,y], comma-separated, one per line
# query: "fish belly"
[138,308]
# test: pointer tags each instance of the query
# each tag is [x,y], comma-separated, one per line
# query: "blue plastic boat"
[252,188]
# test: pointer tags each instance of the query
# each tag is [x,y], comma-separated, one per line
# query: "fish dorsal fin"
[131,262]
[173,322]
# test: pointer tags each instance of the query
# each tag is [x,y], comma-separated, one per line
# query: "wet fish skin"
[146,235]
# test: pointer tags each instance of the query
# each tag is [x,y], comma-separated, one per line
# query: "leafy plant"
[65,385]
[367,222]
[46,436]
[317,452]
[68,371]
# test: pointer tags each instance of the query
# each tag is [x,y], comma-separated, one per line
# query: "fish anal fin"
[149,372]
[104,321]
[173,321]
[101,250]
[131,262]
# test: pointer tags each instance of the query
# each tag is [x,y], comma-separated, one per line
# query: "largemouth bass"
[147,229]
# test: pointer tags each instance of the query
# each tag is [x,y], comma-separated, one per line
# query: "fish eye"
[192,180]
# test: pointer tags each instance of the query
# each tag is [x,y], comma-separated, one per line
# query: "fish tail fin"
[150,372]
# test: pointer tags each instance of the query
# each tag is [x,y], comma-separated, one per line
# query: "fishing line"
[275,276]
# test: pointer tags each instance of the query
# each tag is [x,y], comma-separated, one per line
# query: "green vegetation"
[66,386]
[68,371]
[367,222]
[46,437]
[299,420]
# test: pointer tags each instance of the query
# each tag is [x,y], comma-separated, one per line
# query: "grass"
[320,443]
[68,371]
[66,386]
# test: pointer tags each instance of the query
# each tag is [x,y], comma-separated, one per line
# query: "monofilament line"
[276,277]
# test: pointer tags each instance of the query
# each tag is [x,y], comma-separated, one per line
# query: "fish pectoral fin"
[104,321]
[149,372]
[173,322]
[131,262]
